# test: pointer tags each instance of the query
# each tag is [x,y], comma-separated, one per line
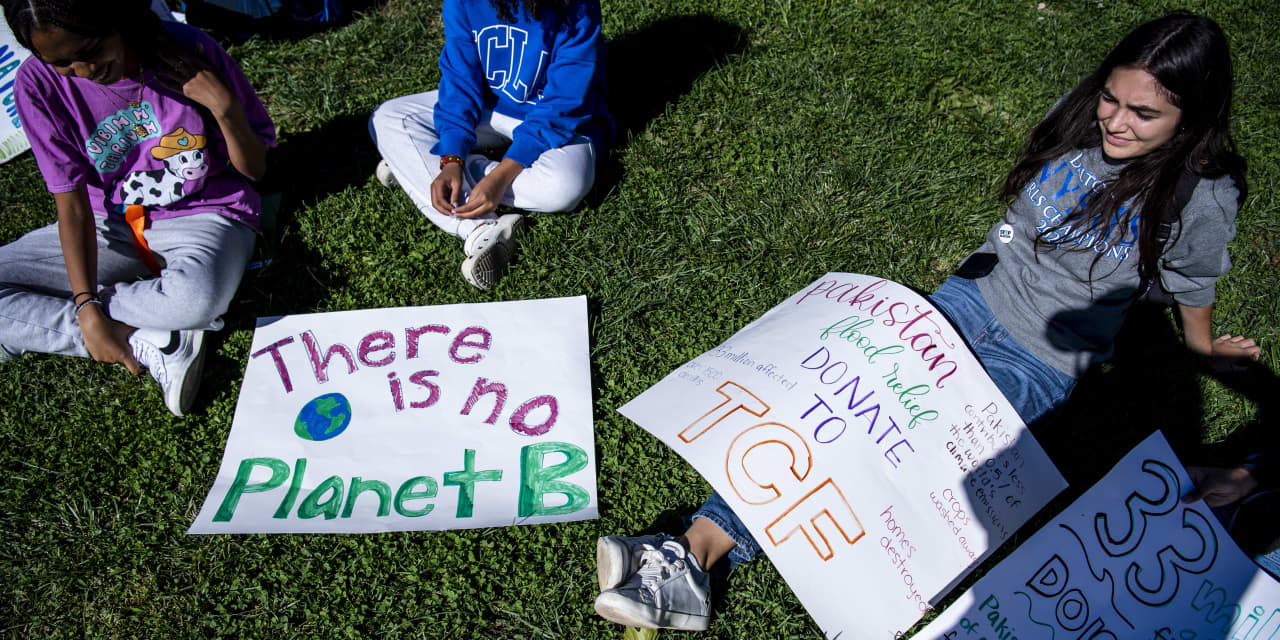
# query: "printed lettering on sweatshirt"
[1075,187]
[507,68]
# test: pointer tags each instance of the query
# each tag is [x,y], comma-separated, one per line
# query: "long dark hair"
[507,9]
[1189,57]
[141,29]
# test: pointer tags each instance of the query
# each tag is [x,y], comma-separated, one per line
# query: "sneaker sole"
[491,265]
[612,565]
[190,382]
[616,608]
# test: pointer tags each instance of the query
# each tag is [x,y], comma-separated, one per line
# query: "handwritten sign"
[862,443]
[12,140]
[474,415]
[1125,560]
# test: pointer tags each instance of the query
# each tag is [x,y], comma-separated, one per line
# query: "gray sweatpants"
[202,258]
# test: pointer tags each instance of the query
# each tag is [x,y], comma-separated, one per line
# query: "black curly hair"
[507,9]
[1189,57]
[132,19]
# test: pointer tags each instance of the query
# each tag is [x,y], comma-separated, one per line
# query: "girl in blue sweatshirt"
[524,74]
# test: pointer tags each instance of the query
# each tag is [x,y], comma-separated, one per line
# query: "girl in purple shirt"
[148,136]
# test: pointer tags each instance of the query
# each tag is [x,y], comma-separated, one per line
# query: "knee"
[197,313]
[193,305]
[381,118]
[559,192]
[395,111]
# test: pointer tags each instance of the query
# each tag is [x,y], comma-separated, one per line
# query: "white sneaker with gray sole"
[669,591]
[489,248]
[618,557]
[384,175]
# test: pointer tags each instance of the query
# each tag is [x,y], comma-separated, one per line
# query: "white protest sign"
[422,418]
[859,439]
[1126,560]
[12,140]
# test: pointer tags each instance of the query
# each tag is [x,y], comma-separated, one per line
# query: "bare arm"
[103,337]
[248,153]
[1197,328]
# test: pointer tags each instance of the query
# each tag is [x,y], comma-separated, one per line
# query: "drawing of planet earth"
[323,418]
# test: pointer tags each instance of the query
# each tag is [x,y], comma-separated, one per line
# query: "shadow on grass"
[1152,382]
[651,68]
[231,26]
[310,165]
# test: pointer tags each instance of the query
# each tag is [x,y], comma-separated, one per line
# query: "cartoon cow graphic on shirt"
[183,155]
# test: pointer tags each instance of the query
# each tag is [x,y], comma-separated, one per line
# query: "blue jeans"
[1251,522]
[1031,386]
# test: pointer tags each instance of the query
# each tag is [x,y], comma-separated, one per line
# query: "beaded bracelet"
[450,159]
[93,300]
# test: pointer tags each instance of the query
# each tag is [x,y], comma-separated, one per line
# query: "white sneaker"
[384,175]
[670,591]
[489,247]
[174,359]
[618,557]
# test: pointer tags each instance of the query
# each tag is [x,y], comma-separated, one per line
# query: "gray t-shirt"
[1062,305]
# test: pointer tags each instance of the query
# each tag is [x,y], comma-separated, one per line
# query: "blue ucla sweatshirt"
[548,73]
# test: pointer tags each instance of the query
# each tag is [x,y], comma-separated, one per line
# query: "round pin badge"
[1006,233]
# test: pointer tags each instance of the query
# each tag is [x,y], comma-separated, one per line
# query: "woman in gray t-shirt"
[1131,182]
[1046,293]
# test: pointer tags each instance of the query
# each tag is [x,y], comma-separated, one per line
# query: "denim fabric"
[1031,386]
[718,512]
[1270,562]
[1252,523]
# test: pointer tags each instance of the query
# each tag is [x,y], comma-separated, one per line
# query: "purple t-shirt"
[162,154]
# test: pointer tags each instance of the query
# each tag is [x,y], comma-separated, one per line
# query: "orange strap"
[136,216]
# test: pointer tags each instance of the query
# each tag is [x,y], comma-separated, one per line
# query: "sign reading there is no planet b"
[420,418]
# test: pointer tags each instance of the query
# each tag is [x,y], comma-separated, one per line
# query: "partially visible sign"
[1126,560]
[12,140]
[853,432]
[419,418]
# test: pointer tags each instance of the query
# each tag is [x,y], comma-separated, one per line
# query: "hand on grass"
[1218,487]
[103,340]
[1230,353]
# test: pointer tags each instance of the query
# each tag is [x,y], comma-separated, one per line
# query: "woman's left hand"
[1229,353]
[205,88]
[488,192]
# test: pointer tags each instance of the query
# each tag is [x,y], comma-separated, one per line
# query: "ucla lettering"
[507,67]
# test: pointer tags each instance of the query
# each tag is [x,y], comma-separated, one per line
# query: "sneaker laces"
[656,567]
[146,353]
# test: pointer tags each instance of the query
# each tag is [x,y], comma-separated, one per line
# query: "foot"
[384,175]
[617,558]
[670,591]
[489,247]
[175,360]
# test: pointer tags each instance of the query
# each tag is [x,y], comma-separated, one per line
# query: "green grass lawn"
[762,143]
